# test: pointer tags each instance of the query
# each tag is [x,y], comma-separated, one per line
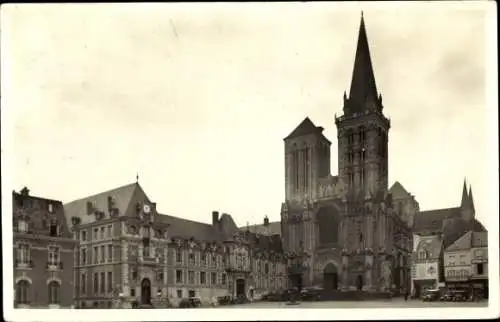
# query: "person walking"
[406,295]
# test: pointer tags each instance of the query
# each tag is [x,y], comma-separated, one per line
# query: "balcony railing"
[54,265]
[24,264]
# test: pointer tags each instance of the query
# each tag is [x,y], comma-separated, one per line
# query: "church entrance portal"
[330,277]
[240,287]
[359,283]
[296,281]
[146,292]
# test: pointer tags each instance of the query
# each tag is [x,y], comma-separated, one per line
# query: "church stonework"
[343,232]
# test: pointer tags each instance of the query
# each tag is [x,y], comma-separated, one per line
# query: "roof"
[430,244]
[480,239]
[122,197]
[304,128]
[462,243]
[265,242]
[183,228]
[363,84]
[432,220]
[273,228]
[398,191]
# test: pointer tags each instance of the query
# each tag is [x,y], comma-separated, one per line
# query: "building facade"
[130,255]
[344,232]
[427,264]
[43,253]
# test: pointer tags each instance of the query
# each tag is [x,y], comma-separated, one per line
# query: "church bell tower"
[363,130]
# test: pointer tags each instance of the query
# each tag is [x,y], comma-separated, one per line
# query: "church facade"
[347,232]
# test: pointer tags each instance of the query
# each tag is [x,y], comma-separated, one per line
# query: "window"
[191,259]
[223,279]
[203,259]
[178,276]
[96,283]
[22,290]
[23,253]
[203,278]
[480,269]
[266,268]
[191,293]
[132,292]
[54,290]
[96,234]
[179,294]
[54,255]
[110,282]
[178,257]
[191,277]
[110,253]
[146,251]
[102,283]
[102,254]
[83,282]
[134,274]
[110,231]
[83,257]
[22,226]
[54,228]
[214,278]
[83,235]
[95,255]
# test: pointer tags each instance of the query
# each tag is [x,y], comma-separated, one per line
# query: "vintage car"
[311,293]
[191,302]
[431,295]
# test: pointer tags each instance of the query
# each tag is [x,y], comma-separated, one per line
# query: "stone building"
[346,232]
[43,253]
[427,264]
[130,255]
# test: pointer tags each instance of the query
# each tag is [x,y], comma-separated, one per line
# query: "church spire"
[465,195]
[471,200]
[363,86]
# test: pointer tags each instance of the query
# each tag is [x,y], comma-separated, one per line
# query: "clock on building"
[146,209]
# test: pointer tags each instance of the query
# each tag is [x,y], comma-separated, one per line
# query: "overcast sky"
[198,98]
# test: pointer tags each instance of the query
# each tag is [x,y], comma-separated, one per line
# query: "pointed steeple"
[363,86]
[471,199]
[465,195]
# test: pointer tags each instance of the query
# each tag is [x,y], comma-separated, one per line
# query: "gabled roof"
[273,228]
[121,195]
[304,128]
[462,243]
[431,245]
[398,191]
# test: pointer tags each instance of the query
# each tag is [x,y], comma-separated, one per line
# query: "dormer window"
[22,225]
[51,209]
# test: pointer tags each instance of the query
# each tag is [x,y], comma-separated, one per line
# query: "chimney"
[25,192]
[266,221]
[215,218]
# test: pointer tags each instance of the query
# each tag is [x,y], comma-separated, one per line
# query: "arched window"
[22,288]
[54,228]
[54,293]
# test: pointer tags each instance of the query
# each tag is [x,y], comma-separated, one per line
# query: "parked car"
[191,302]
[224,300]
[446,297]
[310,294]
[431,295]
[460,296]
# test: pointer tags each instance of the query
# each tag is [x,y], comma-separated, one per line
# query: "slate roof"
[265,242]
[462,243]
[122,197]
[430,244]
[480,239]
[183,228]
[306,127]
[274,228]
[432,220]
[398,191]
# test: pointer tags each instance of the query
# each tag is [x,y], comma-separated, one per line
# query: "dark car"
[448,296]
[224,300]
[191,302]
[310,294]
[460,296]
[431,295]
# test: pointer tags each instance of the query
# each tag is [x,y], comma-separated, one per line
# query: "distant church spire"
[363,84]
[471,199]
[137,177]
[465,195]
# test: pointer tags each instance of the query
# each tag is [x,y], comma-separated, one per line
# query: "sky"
[197,99]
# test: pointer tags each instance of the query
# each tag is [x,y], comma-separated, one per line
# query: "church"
[347,232]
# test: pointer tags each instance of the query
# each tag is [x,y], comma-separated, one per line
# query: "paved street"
[395,303]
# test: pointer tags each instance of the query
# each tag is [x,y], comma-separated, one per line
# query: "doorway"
[240,287]
[146,292]
[296,281]
[359,283]
[330,277]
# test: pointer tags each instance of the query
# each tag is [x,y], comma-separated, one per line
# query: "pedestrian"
[406,295]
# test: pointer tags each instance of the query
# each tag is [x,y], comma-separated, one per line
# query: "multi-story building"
[131,255]
[345,232]
[466,263]
[43,253]
[426,264]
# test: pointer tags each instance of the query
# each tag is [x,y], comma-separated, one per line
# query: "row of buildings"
[114,249]
[348,232]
